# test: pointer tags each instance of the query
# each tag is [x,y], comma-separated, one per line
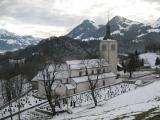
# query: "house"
[74,77]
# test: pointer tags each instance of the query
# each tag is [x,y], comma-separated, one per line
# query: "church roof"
[89,63]
[104,76]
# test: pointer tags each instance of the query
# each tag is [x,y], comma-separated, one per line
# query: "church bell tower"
[108,49]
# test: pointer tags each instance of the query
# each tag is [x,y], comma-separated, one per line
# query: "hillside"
[142,103]
[54,48]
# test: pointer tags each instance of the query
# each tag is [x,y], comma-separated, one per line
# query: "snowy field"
[125,106]
[26,102]
[149,58]
[79,101]
[135,74]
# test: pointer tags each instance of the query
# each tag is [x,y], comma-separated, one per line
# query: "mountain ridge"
[10,41]
[128,33]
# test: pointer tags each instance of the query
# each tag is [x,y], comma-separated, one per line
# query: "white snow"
[26,102]
[149,58]
[79,37]
[69,86]
[116,32]
[156,23]
[130,103]
[141,35]
[89,63]
[105,76]
[11,41]
[153,30]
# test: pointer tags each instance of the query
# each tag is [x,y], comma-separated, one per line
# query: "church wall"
[81,87]
[41,89]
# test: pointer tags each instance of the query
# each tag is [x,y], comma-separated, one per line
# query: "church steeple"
[108,31]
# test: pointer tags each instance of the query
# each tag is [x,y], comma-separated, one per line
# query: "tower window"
[80,73]
[92,72]
[113,47]
[103,82]
[104,47]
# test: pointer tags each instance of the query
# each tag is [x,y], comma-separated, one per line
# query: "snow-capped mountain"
[10,41]
[84,30]
[127,32]
[156,24]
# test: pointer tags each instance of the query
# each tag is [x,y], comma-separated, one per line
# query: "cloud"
[59,16]
[34,13]
[152,1]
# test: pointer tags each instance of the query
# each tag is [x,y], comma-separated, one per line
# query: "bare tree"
[19,80]
[48,80]
[93,76]
[8,87]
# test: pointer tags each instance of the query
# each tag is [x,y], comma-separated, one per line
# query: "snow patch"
[150,58]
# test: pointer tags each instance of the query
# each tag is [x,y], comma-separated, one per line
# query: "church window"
[113,47]
[86,72]
[103,82]
[80,73]
[104,70]
[92,72]
[104,47]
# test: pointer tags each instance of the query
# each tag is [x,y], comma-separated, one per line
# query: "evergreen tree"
[132,64]
[157,61]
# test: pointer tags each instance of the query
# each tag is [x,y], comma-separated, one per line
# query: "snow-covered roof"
[58,75]
[94,77]
[109,40]
[119,65]
[70,86]
[89,63]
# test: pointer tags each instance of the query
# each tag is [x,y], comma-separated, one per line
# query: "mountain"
[10,41]
[156,24]
[129,34]
[84,30]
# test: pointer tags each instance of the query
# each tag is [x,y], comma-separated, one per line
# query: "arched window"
[113,47]
[104,47]
[80,73]
[92,72]
[104,70]
[103,82]
[86,72]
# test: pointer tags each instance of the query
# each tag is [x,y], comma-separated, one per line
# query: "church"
[74,78]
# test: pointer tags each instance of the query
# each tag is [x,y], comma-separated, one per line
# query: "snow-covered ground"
[117,101]
[135,74]
[26,102]
[85,98]
[127,105]
[149,58]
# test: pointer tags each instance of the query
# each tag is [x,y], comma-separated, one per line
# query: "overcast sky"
[44,18]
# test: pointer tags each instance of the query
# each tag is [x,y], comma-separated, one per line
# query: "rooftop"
[89,63]
[69,86]
[94,77]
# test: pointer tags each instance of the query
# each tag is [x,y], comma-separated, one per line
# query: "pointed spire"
[108,31]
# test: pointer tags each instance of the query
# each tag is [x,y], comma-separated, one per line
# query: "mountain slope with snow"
[10,41]
[149,58]
[129,34]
